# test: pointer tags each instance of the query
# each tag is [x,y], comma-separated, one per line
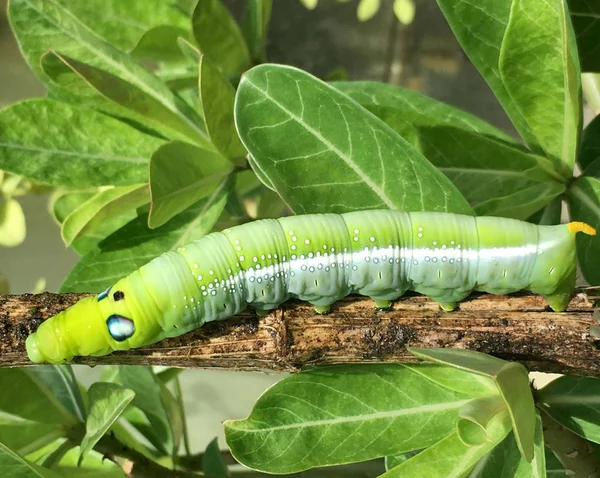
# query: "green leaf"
[460,381]
[107,402]
[26,436]
[512,381]
[583,200]
[394,460]
[62,145]
[181,175]
[35,19]
[367,9]
[270,205]
[161,44]
[94,465]
[217,96]
[505,460]
[106,204]
[495,174]
[124,23]
[25,395]
[297,423]
[15,466]
[323,152]
[554,468]
[167,374]
[12,223]
[549,215]
[219,36]
[212,461]
[589,155]
[574,402]
[61,381]
[100,89]
[135,244]
[254,27]
[585,15]
[458,458]
[152,398]
[526,51]
[404,11]
[63,202]
[475,417]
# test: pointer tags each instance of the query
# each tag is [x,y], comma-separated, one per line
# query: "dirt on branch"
[518,327]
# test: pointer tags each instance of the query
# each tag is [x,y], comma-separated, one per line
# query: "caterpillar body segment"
[318,258]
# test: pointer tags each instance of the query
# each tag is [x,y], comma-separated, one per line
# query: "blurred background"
[328,41]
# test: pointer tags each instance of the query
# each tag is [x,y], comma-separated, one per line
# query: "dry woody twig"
[518,327]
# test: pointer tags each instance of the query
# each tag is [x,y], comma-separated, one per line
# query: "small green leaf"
[61,381]
[63,202]
[270,205]
[167,374]
[574,402]
[378,409]
[106,403]
[455,379]
[367,9]
[512,381]
[549,215]
[125,99]
[526,51]
[392,461]
[61,145]
[583,200]
[458,458]
[219,36]
[94,465]
[324,153]
[505,460]
[475,417]
[26,436]
[585,15]
[15,466]
[217,96]
[254,27]
[181,175]
[212,461]
[104,205]
[160,43]
[404,11]
[589,155]
[554,468]
[135,244]
[12,223]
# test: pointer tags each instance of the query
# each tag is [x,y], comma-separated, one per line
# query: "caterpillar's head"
[113,320]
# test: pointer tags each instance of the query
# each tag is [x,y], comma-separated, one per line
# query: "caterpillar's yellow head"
[113,320]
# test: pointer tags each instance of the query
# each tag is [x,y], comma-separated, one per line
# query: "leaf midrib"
[126,159]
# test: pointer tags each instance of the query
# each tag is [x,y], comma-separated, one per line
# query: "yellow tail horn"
[581,227]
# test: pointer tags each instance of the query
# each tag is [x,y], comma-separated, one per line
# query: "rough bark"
[518,327]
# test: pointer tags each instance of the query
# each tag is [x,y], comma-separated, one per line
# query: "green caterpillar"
[318,258]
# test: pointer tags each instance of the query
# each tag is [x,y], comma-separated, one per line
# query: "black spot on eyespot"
[119,295]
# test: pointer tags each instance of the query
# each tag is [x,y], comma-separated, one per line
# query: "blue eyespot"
[120,328]
[104,295]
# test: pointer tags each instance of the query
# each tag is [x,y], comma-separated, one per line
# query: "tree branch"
[517,327]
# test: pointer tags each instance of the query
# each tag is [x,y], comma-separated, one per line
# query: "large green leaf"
[574,402]
[341,414]
[124,23]
[62,145]
[93,213]
[15,466]
[107,402]
[93,465]
[584,205]
[526,51]
[13,228]
[505,460]
[219,36]
[585,15]
[98,88]
[322,152]
[450,457]
[180,175]
[511,379]
[255,25]
[493,172]
[589,155]
[135,244]
[27,436]
[61,31]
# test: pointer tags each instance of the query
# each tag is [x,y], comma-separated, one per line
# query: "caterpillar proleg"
[319,258]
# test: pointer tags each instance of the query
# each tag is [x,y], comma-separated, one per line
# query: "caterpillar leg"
[261,311]
[447,306]
[322,309]
[382,304]
[561,297]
